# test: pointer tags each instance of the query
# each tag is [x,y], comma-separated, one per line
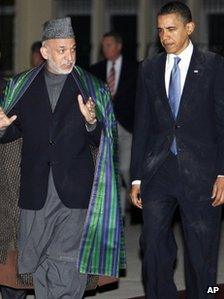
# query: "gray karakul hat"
[58,28]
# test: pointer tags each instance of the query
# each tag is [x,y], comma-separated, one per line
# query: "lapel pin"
[196,71]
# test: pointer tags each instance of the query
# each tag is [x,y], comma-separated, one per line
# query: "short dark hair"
[115,35]
[35,47]
[177,7]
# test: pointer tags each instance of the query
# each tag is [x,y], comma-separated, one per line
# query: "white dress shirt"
[117,67]
[184,63]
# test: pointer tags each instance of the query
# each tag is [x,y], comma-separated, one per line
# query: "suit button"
[52,142]
[177,127]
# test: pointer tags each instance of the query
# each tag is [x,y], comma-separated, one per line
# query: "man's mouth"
[168,44]
[68,65]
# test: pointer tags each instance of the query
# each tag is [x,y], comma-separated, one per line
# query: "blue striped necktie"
[175,95]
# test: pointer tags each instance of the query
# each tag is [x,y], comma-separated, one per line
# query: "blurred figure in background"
[120,75]
[35,56]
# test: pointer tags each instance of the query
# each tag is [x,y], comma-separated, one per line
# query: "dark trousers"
[201,225]
[10,293]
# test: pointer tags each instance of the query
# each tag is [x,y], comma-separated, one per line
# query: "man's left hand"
[218,192]
[87,109]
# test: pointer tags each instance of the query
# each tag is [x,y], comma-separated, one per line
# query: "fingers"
[219,199]
[80,101]
[218,192]
[5,121]
[137,203]
[2,114]
[135,196]
[214,191]
[87,109]
[91,107]
[90,104]
[12,119]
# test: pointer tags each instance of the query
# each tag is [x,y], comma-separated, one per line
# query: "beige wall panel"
[30,15]
[196,7]
[143,29]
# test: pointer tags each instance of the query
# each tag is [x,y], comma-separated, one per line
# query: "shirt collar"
[117,61]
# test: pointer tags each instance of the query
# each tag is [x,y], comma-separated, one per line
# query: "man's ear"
[190,27]
[44,52]
[120,46]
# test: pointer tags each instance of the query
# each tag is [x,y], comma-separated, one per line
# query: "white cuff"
[136,182]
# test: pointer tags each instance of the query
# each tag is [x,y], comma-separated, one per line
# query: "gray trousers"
[49,242]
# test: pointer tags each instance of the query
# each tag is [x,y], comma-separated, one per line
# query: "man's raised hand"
[87,109]
[5,121]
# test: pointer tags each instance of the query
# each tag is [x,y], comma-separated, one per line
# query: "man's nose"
[165,35]
[70,55]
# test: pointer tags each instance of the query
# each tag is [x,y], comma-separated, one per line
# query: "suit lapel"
[122,76]
[39,94]
[104,71]
[194,73]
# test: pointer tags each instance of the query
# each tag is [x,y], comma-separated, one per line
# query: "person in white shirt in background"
[120,73]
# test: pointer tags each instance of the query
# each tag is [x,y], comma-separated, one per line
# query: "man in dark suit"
[121,76]
[178,157]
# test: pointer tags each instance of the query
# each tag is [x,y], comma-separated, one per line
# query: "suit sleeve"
[219,112]
[141,126]
[94,135]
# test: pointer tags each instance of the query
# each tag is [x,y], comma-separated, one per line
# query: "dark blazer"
[124,99]
[199,127]
[58,140]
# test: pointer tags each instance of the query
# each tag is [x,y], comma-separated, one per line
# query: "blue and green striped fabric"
[102,247]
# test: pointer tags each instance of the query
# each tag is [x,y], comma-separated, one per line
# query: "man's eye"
[61,51]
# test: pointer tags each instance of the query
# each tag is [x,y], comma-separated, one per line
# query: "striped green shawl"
[102,246]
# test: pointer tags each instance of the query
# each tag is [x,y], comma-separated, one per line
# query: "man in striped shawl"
[70,221]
